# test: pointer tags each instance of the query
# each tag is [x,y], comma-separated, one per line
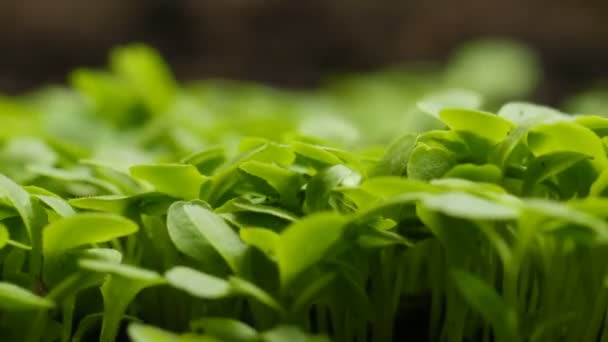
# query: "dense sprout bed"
[135,209]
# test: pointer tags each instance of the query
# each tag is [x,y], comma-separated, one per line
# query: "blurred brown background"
[295,43]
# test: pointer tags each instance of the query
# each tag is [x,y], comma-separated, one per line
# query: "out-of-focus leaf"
[486,125]
[177,180]
[305,242]
[14,298]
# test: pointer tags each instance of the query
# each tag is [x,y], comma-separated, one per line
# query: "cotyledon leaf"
[106,203]
[263,239]
[304,243]
[178,180]
[226,329]
[206,286]
[263,150]
[392,186]
[194,228]
[118,204]
[395,159]
[53,201]
[529,114]
[15,298]
[245,205]
[80,175]
[206,161]
[486,125]
[427,163]
[21,200]
[197,283]
[59,205]
[315,152]
[597,124]
[481,173]
[551,164]
[82,229]
[566,213]
[550,138]
[146,333]
[464,205]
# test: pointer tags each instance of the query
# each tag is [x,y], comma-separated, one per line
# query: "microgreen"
[133,207]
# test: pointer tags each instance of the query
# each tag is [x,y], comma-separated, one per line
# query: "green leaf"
[452,142]
[106,203]
[396,157]
[598,124]
[304,243]
[22,202]
[246,288]
[378,238]
[147,75]
[292,334]
[315,152]
[312,290]
[147,333]
[463,205]
[483,124]
[110,96]
[82,229]
[287,183]
[529,115]
[600,185]
[319,187]
[391,186]
[4,236]
[121,270]
[206,161]
[484,299]
[499,69]
[226,329]
[487,173]
[263,239]
[551,164]
[427,163]
[14,298]
[177,180]
[546,139]
[202,285]
[265,151]
[119,204]
[57,204]
[198,284]
[566,213]
[123,285]
[75,175]
[244,205]
[194,229]
[454,98]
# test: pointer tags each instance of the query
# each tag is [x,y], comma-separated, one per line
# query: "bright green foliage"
[136,208]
